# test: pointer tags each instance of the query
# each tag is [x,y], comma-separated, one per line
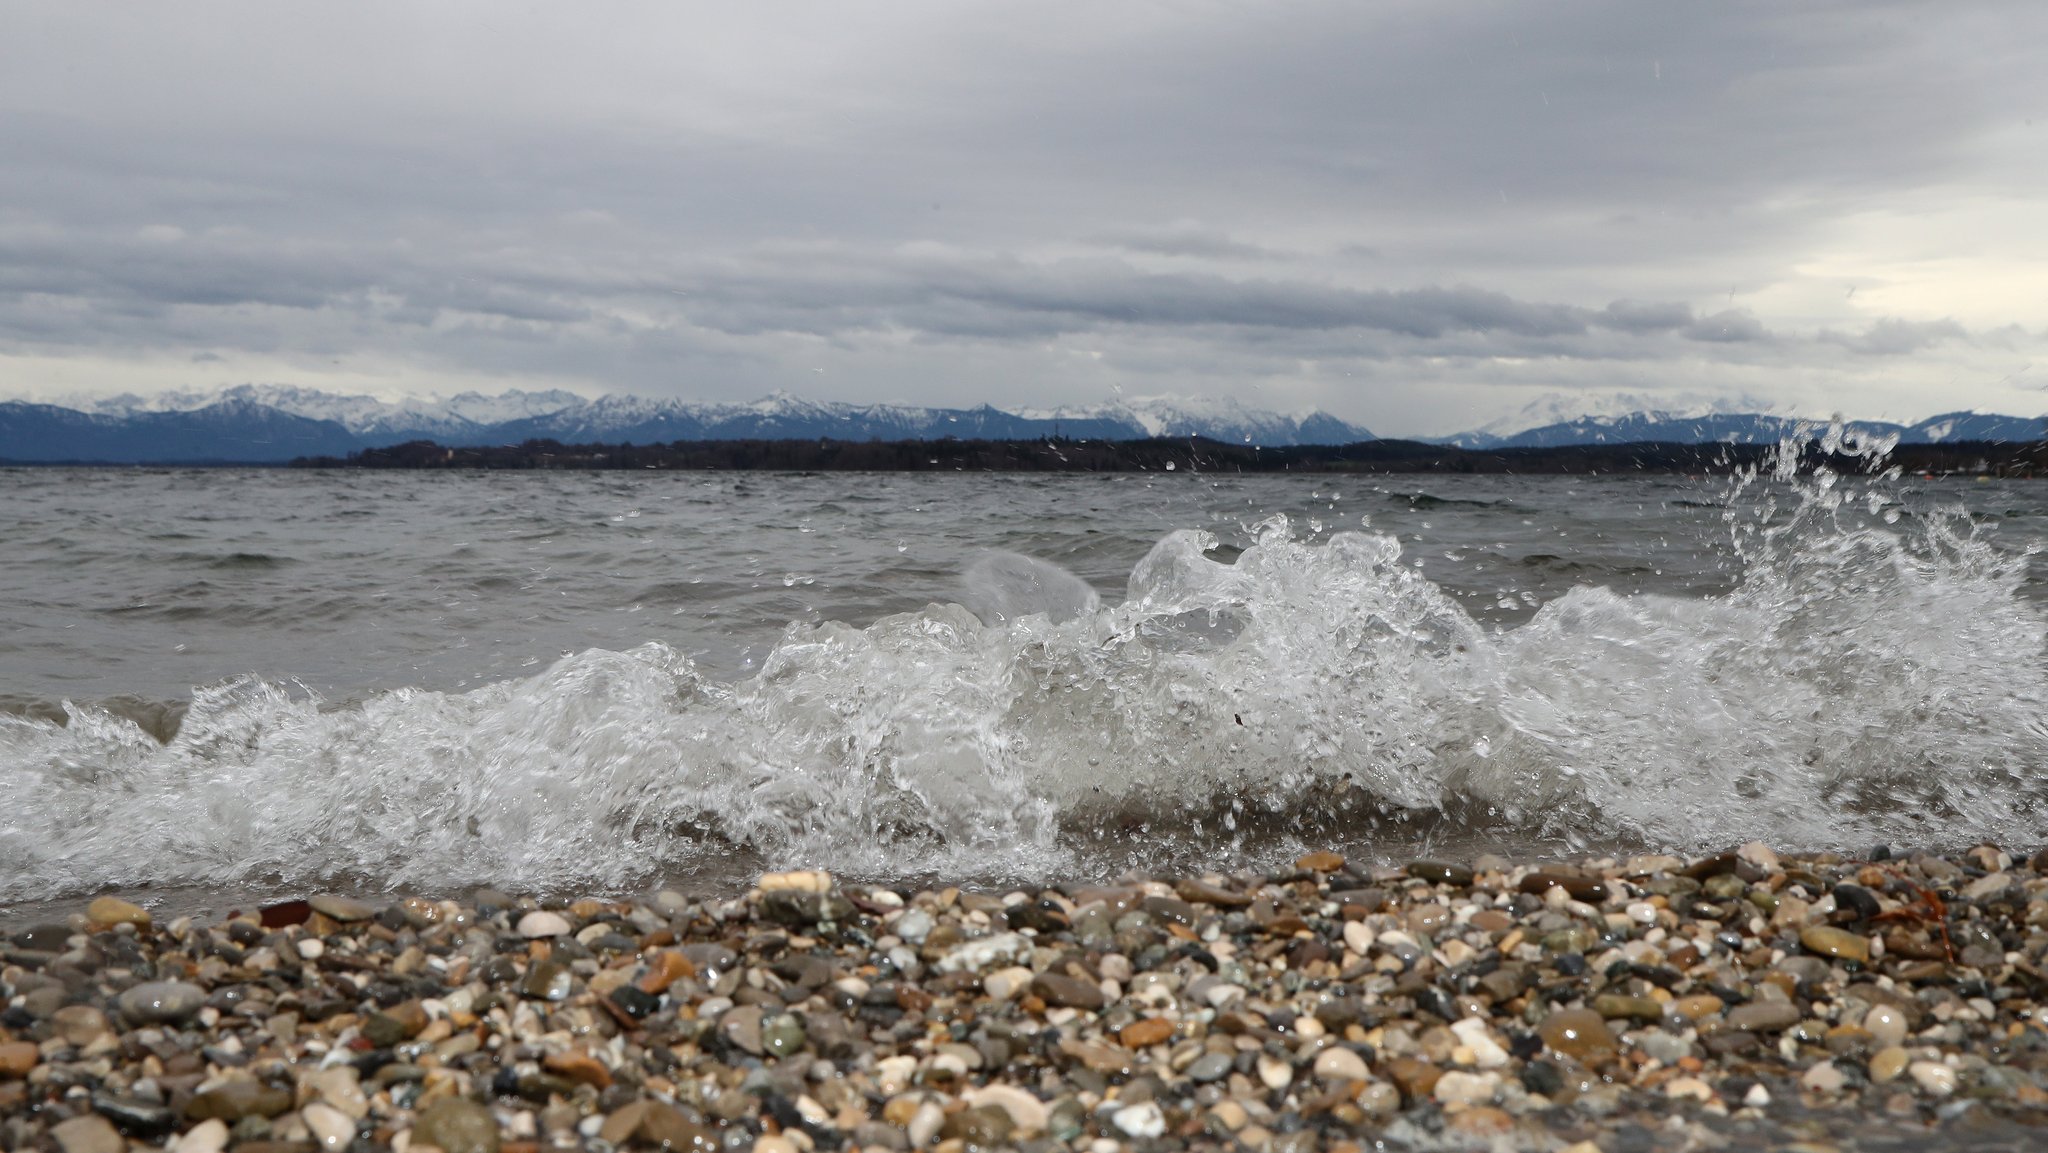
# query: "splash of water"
[1875,676]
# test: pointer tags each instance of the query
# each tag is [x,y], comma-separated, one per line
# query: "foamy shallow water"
[1308,663]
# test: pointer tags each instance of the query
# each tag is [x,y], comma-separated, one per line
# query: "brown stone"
[665,968]
[1615,1005]
[1581,886]
[624,1122]
[17,1058]
[1840,944]
[284,914]
[238,1099]
[1146,1033]
[1070,992]
[1416,1077]
[1198,893]
[457,1125]
[1321,862]
[1113,1060]
[664,1127]
[89,1133]
[80,1025]
[106,912]
[1492,921]
[1581,1034]
[581,1068]
[1763,1016]
[1483,1121]
[1695,1006]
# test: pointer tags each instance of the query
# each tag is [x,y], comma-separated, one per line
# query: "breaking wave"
[1873,677]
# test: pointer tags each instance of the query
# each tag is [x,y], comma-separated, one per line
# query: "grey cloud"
[716,200]
[1891,336]
[1195,242]
[821,293]
[1729,326]
[1640,316]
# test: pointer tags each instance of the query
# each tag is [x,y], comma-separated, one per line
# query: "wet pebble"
[543,923]
[161,1002]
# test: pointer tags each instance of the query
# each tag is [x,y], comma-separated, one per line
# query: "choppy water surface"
[598,681]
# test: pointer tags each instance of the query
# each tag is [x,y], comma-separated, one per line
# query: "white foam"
[1865,682]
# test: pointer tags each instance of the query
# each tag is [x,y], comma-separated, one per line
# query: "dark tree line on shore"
[1163,455]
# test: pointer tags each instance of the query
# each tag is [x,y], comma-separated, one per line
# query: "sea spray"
[1875,675]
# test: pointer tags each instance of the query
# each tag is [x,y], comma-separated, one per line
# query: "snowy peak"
[358,413]
[285,421]
[259,423]
[1692,426]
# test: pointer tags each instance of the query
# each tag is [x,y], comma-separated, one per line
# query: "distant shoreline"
[2023,460]
[2005,459]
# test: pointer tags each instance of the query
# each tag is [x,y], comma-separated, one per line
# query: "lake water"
[261,680]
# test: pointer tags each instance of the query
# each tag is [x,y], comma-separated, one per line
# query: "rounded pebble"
[543,923]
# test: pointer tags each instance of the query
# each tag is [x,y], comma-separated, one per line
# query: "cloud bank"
[1413,216]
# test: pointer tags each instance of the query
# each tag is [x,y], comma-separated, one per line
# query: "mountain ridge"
[264,424]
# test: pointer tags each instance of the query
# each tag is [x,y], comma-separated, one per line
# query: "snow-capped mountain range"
[270,423]
[273,423]
[1749,428]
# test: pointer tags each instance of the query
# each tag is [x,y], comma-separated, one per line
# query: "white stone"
[339,1087]
[331,1128]
[913,925]
[1886,1025]
[1223,996]
[924,1124]
[1759,854]
[1757,1097]
[797,881]
[1339,1064]
[1823,1078]
[1486,1052]
[774,1143]
[1357,937]
[1274,1072]
[311,948]
[1458,1087]
[893,1074]
[1140,1120]
[1642,912]
[1933,1077]
[811,1110]
[542,923]
[1004,984]
[1681,1088]
[1026,1112]
[209,1136]
[981,953]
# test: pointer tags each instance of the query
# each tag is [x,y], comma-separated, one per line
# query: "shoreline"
[1743,1000]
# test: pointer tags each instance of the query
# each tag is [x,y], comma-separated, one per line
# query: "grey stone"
[161,1002]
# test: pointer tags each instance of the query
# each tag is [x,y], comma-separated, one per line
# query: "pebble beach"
[1745,1000]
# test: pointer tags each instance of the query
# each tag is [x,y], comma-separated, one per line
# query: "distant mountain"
[1745,428]
[261,424]
[1951,426]
[231,431]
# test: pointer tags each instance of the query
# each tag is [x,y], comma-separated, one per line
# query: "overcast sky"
[1420,216]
